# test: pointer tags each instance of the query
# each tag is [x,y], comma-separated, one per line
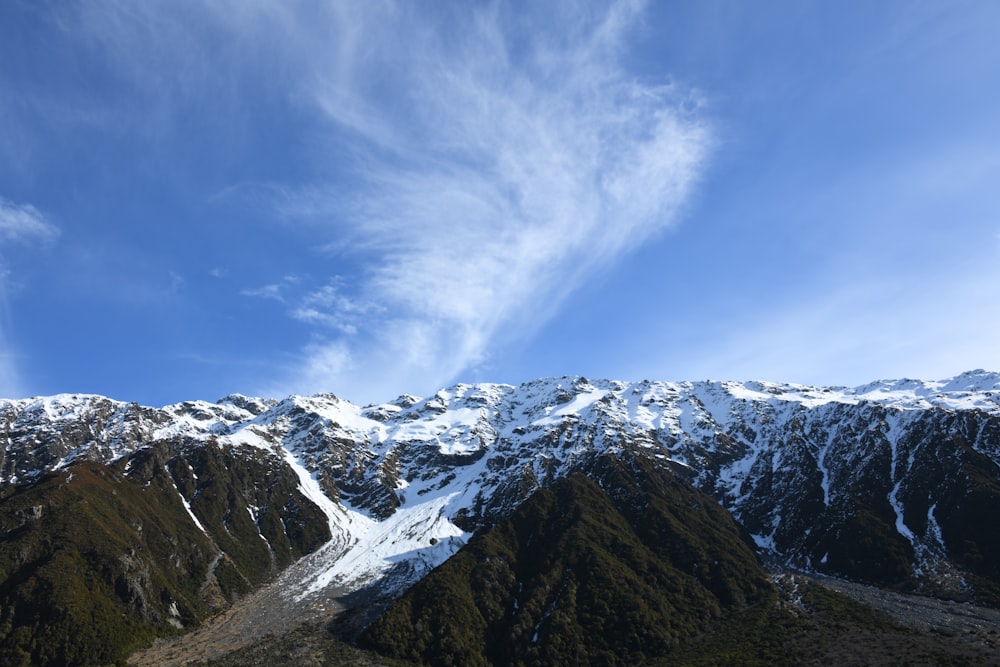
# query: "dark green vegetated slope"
[580,576]
[96,561]
[227,489]
[92,566]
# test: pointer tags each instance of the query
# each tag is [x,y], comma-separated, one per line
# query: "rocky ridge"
[890,483]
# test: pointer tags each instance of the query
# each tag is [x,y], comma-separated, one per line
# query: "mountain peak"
[891,483]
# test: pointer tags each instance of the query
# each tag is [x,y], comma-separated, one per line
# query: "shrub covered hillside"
[93,565]
[580,576]
[97,560]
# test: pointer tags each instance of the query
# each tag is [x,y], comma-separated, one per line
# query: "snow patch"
[421,535]
[576,406]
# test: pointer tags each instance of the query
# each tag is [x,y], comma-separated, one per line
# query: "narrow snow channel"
[311,489]
[184,501]
[893,497]
[824,470]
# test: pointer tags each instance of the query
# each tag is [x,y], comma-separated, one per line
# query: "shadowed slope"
[580,576]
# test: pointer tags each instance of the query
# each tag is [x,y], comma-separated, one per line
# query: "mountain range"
[561,521]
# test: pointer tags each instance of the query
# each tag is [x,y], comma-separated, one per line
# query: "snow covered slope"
[890,482]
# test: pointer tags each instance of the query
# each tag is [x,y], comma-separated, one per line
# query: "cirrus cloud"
[19,224]
[24,223]
[498,175]
[479,162]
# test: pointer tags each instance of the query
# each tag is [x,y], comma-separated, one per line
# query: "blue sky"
[264,197]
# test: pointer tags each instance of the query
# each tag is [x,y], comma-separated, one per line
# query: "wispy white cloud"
[20,224]
[275,291]
[24,223]
[329,308]
[488,159]
[272,291]
[502,170]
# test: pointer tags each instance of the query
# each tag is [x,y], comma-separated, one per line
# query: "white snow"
[733,476]
[933,528]
[901,526]
[454,423]
[362,549]
[824,469]
[310,488]
[576,406]
[406,535]
[187,505]
[685,419]
[253,436]
[766,542]
[253,511]
[894,474]
[339,413]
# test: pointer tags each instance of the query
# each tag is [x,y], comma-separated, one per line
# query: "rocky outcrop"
[894,483]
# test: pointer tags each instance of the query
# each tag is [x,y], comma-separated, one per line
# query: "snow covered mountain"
[894,483]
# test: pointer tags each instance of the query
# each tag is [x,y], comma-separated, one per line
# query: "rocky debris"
[976,624]
[890,483]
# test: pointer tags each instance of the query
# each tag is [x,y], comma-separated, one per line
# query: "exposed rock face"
[894,483]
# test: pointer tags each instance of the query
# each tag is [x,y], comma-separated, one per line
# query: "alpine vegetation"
[563,520]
